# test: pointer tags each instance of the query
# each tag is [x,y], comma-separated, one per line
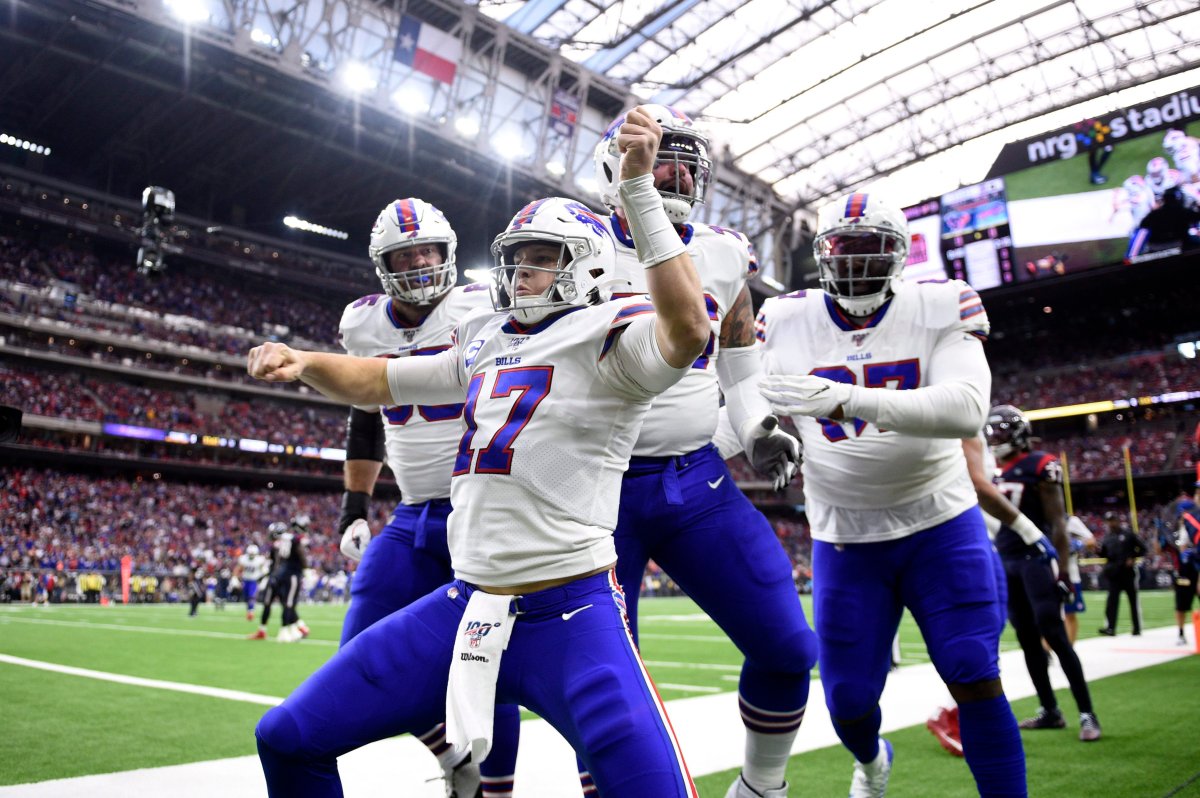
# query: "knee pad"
[967,662]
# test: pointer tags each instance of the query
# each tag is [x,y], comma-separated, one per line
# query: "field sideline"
[178,690]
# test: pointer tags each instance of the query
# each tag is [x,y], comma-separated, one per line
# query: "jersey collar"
[848,324]
[621,231]
[514,327]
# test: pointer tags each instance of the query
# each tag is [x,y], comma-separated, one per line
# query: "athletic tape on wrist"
[654,237]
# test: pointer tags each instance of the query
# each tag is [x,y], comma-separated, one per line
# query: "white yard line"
[708,727]
[157,630]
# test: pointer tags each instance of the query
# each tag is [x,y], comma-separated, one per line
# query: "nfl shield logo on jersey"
[858,338]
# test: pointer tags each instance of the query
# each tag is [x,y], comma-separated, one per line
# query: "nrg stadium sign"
[1161,113]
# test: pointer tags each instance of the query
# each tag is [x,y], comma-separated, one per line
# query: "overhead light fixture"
[509,145]
[188,11]
[410,101]
[556,168]
[358,77]
[480,275]
[467,126]
[297,223]
[23,144]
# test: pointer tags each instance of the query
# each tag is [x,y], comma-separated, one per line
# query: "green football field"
[59,725]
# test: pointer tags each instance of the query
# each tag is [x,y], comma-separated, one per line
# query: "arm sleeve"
[953,405]
[364,436]
[739,371]
[433,380]
[633,365]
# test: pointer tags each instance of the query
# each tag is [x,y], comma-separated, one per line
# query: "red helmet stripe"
[406,215]
[856,205]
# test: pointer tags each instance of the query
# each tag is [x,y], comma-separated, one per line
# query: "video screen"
[924,251]
[975,239]
[1096,198]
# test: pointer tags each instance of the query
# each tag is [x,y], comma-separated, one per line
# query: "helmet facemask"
[422,285]
[562,291]
[858,266]
[682,146]
[1007,432]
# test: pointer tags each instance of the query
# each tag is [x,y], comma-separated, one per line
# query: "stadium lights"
[467,126]
[358,77]
[188,11]
[265,39]
[556,168]
[509,145]
[480,275]
[410,101]
[22,144]
[308,227]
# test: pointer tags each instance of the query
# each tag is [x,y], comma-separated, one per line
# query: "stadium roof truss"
[803,98]
[819,96]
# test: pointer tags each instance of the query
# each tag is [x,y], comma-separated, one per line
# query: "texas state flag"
[427,50]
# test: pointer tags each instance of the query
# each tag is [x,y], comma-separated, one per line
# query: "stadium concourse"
[546,764]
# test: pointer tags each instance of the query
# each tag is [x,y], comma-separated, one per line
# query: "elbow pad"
[364,436]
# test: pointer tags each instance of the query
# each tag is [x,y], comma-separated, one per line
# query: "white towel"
[471,694]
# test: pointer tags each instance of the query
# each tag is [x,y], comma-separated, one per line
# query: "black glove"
[355,505]
[1066,590]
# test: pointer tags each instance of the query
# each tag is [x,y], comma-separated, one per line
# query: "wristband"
[355,505]
[654,238]
[1026,529]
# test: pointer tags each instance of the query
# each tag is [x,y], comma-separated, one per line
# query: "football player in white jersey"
[1135,198]
[1160,177]
[252,567]
[679,504]
[1185,154]
[555,388]
[884,378]
[413,248]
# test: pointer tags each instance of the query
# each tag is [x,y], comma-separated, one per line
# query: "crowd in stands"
[1143,375]
[83,397]
[215,296]
[59,520]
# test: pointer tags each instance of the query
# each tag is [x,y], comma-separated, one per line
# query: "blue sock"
[992,747]
[862,736]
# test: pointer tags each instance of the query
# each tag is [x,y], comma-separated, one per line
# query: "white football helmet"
[406,223]
[682,145]
[861,247]
[584,274]
[1173,139]
[252,550]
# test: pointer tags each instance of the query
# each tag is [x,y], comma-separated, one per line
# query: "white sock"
[766,759]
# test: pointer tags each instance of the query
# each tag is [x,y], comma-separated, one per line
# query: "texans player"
[1038,582]
[884,378]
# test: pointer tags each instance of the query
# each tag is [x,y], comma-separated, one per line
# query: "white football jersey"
[253,568]
[684,418]
[863,484]
[420,439]
[1159,184]
[552,413]
[1187,159]
[1138,201]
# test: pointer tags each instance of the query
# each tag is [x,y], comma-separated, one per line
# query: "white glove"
[772,451]
[805,395]
[355,539]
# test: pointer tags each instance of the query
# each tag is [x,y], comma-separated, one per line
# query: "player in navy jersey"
[555,385]
[883,379]
[679,504]
[413,248]
[1038,581]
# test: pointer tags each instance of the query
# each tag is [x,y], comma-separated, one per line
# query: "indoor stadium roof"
[816,96]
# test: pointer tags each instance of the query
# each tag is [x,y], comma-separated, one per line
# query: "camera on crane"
[158,212]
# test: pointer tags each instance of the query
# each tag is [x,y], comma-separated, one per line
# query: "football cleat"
[1089,727]
[1104,630]
[740,789]
[261,634]
[871,779]
[463,780]
[944,726]
[288,634]
[1045,719]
